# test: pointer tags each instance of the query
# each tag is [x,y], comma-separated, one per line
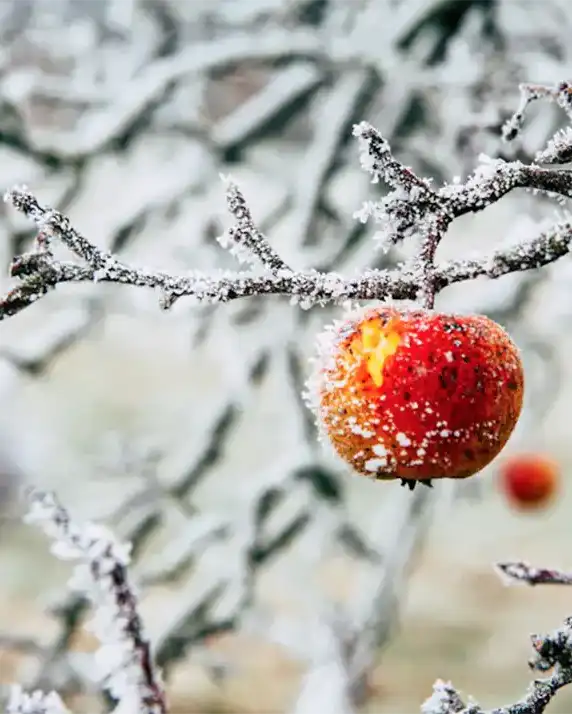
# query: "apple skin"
[529,481]
[415,394]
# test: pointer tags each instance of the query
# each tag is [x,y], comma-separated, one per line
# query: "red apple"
[529,480]
[415,394]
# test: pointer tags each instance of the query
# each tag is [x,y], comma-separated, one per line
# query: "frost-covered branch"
[412,207]
[560,93]
[380,594]
[551,652]
[447,700]
[524,573]
[38,352]
[40,274]
[36,702]
[214,601]
[124,659]
[559,148]
[244,239]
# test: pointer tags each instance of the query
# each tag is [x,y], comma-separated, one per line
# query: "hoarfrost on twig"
[124,660]
[21,702]
[412,207]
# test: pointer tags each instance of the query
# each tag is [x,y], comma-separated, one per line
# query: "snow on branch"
[561,94]
[244,239]
[528,574]
[552,652]
[124,661]
[37,702]
[343,645]
[412,208]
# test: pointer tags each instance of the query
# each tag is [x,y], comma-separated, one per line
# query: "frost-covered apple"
[529,480]
[416,394]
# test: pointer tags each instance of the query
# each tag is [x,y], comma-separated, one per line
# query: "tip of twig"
[13,193]
[227,180]
[503,571]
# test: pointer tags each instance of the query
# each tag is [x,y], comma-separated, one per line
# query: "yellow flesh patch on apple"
[375,347]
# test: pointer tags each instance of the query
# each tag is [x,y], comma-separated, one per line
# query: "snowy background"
[185,430]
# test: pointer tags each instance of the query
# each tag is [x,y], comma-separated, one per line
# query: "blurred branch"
[551,652]
[216,604]
[212,605]
[339,672]
[146,90]
[561,94]
[524,573]
[381,594]
[65,332]
[332,118]
[36,702]
[289,86]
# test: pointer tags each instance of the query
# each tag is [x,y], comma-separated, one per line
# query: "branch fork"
[413,207]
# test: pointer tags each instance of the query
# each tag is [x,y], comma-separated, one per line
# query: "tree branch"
[39,273]
[524,573]
[551,652]
[127,668]
[411,207]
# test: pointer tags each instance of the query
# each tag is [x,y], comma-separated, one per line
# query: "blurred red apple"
[529,480]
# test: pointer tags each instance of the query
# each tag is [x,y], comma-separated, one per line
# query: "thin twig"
[524,573]
[129,673]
